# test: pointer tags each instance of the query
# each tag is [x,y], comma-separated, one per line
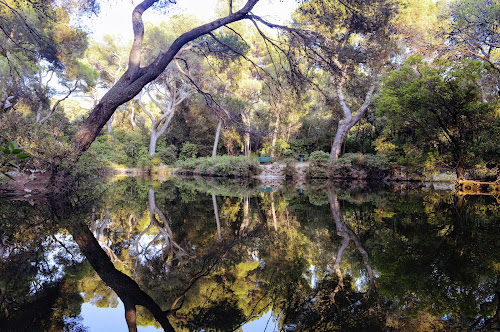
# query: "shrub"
[188,150]
[360,166]
[289,169]
[168,155]
[317,172]
[224,166]
[319,157]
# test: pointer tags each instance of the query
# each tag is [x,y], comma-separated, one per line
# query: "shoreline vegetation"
[350,167]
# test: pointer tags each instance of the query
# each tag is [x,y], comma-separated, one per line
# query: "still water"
[194,255]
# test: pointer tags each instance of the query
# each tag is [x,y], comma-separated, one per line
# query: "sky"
[116,19]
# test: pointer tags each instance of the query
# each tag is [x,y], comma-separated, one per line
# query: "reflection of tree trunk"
[336,268]
[344,231]
[165,228]
[246,217]
[216,139]
[273,212]
[216,212]
[127,289]
[99,227]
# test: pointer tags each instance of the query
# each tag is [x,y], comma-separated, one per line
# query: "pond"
[197,255]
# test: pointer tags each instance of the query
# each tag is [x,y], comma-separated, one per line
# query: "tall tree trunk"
[348,121]
[152,142]
[109,127]
[275,136]
[247,143]
[216,140]
[132,116]
[246,135]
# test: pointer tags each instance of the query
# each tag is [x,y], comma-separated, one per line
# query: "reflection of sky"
[63,249]
[266,323]
[108,319]
[113,319]
[311,276]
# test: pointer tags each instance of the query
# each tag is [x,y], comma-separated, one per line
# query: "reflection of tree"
[163,241]
[127,289]
[348,235]
[98,228]
[216,213]
[439,257]
[39,271]
[433,256]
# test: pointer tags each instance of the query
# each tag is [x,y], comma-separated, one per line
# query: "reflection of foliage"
[434,250]
[223,315]
[432,255]
[349,310]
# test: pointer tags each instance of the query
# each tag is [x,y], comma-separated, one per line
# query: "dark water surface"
[204,256]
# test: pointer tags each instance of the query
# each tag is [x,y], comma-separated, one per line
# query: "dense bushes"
[360,166]
[227,166]
[319,157]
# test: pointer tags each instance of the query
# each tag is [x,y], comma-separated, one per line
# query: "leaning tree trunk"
[136,77]
[349,121]
[216,139]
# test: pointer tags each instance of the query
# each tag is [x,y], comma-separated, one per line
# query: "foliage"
[168,155]
[360,166]
[227,166]
[319,157]
[188,150]
[437,109]
[9,157]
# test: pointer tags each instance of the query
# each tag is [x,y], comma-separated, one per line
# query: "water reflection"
[192,256]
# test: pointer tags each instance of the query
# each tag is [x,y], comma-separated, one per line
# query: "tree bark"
[348,121]
[216,139]
[136,77]
[275,136]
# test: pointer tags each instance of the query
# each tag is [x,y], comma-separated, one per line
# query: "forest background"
[381,83]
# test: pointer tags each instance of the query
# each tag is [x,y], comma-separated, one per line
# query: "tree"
[350,43]
[436,110]
[170,90]
[475,29]
[136,77]
[38,43]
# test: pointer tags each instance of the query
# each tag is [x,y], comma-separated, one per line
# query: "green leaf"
[16,151]
[5,150]
[23,156]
